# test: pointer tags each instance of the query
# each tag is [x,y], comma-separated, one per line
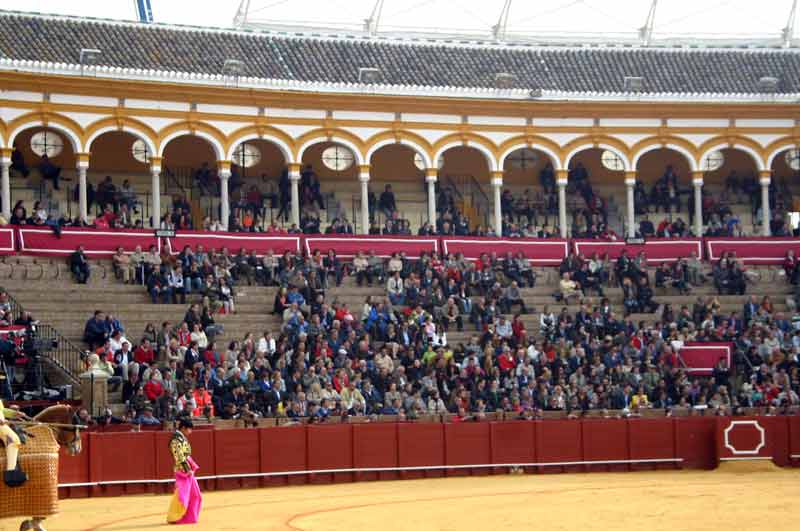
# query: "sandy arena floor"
[744,497]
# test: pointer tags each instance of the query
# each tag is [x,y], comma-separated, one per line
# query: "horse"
[39,459]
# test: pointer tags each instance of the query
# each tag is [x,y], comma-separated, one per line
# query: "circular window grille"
[246,155]
[713,161]
[140,151]
[792,158]
[337,158]
[612,161]
[523,158]
[47,143]
[419,162]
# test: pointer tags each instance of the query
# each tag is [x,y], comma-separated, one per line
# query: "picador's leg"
[13,475]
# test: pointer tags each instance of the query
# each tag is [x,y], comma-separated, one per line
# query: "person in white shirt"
[200,336]
[175,280]
[266,344]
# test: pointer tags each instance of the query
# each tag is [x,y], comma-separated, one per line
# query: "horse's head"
[70,438]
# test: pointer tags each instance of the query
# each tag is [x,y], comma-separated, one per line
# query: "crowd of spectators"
[395,357]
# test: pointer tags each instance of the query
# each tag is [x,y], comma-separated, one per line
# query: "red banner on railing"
[96,243]
[759,251]
[701,358]
[657,250]
[8,241]
[233,241]
[539,251]
[384,246]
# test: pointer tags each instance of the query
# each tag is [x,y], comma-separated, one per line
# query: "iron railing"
[59,351]
[468,189]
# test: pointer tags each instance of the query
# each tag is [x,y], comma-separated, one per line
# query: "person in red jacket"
[154,392]
[144,354]
[506,361]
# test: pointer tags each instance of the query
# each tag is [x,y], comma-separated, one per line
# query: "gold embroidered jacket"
[181,450]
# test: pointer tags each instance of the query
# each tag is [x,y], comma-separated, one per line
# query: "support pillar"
[155,187]
[294,181]
[697,182]
[630,182]
[83,201]
[363,178]
[765,178]
[561,182]
[431,176]
[5,187]
[224,201]
[497,185]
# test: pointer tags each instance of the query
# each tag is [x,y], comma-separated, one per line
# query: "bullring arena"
[658,500]
[373,264]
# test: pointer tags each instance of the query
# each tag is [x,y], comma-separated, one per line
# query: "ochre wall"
[111,153]
[65,159]
[652,165]
[598,174]
[734,160]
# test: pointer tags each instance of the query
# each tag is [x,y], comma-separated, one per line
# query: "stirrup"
[15,478]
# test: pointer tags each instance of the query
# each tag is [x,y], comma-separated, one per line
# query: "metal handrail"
[64,354]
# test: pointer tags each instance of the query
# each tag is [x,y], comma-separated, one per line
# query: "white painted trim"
[693,166]
[219,152]
[22,231]
[753,423]
[745,458]
[553,157]
[769,241]
[705,347]
[445,240]
[403,142]
[760,165]
[138,133]
[776,152]
[434,242]
[488,155]
[699,243]
[13,247]
[794,456]
[357,155]
[73,139]
[380,469]
[277,142]
[626,164]
[216,236]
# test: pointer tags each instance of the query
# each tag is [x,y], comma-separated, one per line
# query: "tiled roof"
[324,59]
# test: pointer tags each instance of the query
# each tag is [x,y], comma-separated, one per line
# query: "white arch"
[336,140]
[747,149]
[626,164]
[138,133]
[404,142]
[490,160]
[777,152]
[74,140]
[277,142]
[693,166]
[550,153]
[215,145]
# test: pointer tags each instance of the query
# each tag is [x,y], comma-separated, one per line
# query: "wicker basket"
[39,495]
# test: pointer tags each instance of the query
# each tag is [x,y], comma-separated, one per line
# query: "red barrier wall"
[347,246]
[8,241]
[544,252]
[97,243]
[541,252]
[760,251]
[657,250]
[128,463]
[258,242]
